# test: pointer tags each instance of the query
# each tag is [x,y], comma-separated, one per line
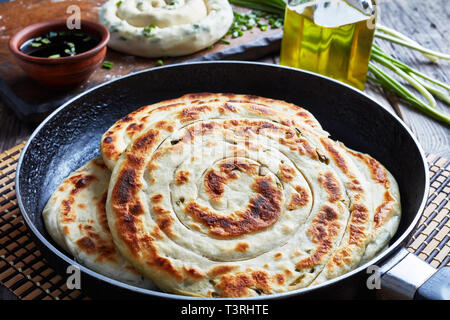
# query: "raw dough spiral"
[158,28]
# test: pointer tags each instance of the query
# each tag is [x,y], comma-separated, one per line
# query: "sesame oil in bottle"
[330,37]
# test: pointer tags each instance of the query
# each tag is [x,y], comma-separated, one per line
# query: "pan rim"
[159,294]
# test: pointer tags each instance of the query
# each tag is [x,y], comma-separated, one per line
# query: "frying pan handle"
[406,276]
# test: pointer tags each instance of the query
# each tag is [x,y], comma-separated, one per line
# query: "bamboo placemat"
[26,273]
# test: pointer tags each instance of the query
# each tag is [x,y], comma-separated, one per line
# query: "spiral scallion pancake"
[75,217]
[234,196]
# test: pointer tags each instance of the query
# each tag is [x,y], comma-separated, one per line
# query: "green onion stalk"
[428,87]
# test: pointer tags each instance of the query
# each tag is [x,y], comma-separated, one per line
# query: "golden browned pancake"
[249,199]
[75,217]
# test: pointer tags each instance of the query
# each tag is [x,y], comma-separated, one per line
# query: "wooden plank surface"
[427,22]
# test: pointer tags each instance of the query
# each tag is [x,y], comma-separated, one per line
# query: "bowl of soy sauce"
[59,57]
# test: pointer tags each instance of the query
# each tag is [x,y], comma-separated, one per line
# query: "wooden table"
[425,21]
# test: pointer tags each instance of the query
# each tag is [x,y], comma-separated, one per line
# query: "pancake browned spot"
[384,210]
[214,184]
[101,212]
[234,286]
[242,246]
[220,269]
[80,182]
[279,278]
[359,217]
[181,177]
[193,273]
[164,220]
[377,171]
[192,113]
[338,159]
[331,186]
[323,231]
[262,211]
[287,173]
[87,245]
[157,198]
[66,210]
[298,199]
[154,259]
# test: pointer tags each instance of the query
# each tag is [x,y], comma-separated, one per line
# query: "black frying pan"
[70,136]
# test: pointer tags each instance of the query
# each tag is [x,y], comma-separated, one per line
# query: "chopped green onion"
[225,41]
[45,41]
[53,56]
[148,31]
[36,44]
[107,64]
[159,62]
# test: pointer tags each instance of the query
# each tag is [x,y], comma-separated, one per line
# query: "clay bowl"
[65,71]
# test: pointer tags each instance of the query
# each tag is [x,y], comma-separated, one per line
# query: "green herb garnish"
[148,31]
[159,62]
[53,56]
[118,3]
[45,41]
[36,44]
[107,65]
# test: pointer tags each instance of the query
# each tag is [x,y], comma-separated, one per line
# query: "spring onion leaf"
[391,84]
[417,85]
[412,46]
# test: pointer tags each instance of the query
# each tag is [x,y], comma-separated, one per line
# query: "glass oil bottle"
[330,37]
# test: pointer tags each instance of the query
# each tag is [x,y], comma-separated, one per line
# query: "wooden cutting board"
[32,103]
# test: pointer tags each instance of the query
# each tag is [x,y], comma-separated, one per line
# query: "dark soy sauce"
[59,44]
